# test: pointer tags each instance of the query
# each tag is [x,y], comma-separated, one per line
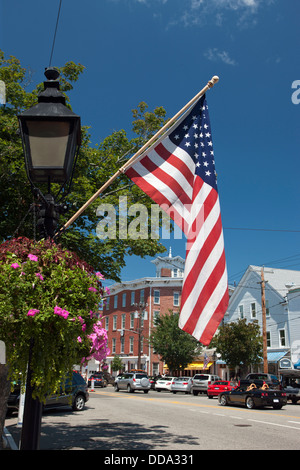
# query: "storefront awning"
[275,356]
[198,366]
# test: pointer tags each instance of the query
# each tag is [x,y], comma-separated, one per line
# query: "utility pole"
[264,321]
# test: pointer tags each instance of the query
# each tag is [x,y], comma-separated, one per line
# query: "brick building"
[131,310]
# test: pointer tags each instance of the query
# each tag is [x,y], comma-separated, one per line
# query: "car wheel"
[223,400]
[250,403]
[116,388]
[146,391]
[195,392]
[79,403]
[129,389]
[277,407]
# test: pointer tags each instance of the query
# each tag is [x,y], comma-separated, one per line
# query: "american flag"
[178,173]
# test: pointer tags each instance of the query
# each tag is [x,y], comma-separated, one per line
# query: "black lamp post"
[51,137]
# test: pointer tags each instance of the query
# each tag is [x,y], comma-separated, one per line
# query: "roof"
[282,280]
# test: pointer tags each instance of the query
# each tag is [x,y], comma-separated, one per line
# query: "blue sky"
[163,52]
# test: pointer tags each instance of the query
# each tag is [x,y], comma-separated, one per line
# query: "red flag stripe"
[167,179]
[175,210]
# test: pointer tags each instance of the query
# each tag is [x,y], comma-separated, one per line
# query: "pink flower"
[61,312]
[32,312]
[15,265]
[93,289]
[40,276]
[79,339]
[32,257]
[99,275]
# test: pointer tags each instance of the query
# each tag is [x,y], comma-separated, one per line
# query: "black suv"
[75,395]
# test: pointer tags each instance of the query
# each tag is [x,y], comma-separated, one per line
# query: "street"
[165,422]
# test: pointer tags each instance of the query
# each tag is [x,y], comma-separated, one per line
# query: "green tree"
[239,343]
[95,165]
[116,364]
[176,347]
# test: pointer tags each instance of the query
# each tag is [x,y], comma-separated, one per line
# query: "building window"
[267,309]
[106,323]
[132,320]
[115,301]
[253,310]
[122,344]
[176,299]
[156,295]
[107,303]
[268,339]
[155,317]
[123,321]
[132,297]
[113,346]
[123,300]
[142,295]
[282,338]
[115,322]
[175,272]
[131,339]
[241,311]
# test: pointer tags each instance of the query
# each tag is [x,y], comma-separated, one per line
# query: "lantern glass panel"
[48,142]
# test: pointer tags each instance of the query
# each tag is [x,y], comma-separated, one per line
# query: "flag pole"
[130,162]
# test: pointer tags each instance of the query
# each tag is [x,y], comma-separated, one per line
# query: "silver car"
[181,384]
[132,381]
[201,382]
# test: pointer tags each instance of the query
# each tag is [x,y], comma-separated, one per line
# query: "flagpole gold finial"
[213,81]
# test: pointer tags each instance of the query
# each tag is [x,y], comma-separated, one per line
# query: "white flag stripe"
[198,201]
[203,233]
[180,153]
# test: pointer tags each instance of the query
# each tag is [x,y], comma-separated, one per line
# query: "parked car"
[219,386]
[164,383]
[253,394]
[152,380]
[290,382]
[202,381]
[75,395]
[99,380]
[181,384]
[132,381]
[270,379]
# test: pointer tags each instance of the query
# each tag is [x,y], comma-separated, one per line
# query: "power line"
[56,26]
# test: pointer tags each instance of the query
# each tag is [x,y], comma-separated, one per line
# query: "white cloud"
[215,55]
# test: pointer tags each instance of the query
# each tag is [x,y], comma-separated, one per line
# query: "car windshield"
[201,377]
[166,378]
[181,379]
[141,376]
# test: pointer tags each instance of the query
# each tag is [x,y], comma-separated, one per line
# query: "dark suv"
[99,380]
[75,395]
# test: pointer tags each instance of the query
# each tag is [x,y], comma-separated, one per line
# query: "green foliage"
[50,298]
[176,347]
[95,165]
[239,343]
[116,364]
